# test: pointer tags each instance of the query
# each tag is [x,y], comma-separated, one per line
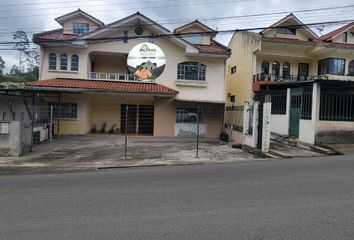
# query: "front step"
[296,143]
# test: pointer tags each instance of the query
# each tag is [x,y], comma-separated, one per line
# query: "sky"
[39,15]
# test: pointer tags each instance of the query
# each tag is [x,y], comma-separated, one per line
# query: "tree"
[2,66]
[28,56]
[14,70]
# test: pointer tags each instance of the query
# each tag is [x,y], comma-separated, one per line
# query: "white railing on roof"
[111,76]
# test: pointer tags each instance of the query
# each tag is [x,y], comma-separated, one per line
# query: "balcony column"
[316,98]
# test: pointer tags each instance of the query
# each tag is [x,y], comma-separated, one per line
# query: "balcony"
[289,78]
[112,77]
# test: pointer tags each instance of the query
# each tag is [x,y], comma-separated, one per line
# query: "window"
[139,31]
[52,61]
[286,31]
[232,98]
[189,114]
[125,37]
[286,70]
[345,37]
[275,70]
[67,110]
[191,71]
[351,68]
[4,128]
[335,66]
[265,67]
[74,62]
[63,61]
[233,70]
[22,116]
[81,28]
[195,38]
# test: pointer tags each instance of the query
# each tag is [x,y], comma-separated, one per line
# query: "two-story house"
[310,78]
[164,80]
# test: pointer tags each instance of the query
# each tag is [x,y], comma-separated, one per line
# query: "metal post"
[32,120]
[198,120]
[51,131]
[59,116]
[126,132]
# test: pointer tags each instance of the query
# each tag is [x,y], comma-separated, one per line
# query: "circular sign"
[146,61]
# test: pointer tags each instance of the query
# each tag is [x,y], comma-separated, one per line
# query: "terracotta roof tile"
[214,48]
[57,35]
[99,85]
[336,32]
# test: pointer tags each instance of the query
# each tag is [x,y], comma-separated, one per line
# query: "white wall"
[279,124]
[307,131]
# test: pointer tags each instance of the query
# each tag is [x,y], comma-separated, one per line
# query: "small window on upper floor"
[63,61]
[81,28]
[194,38]
[52,61]
[233,70]
[345,37]
[286,31]
[74,62]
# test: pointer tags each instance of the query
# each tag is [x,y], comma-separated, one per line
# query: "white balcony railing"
[111,76]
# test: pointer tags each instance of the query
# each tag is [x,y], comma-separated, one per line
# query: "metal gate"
[295,111]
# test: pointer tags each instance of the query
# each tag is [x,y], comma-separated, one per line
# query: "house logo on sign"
[146,61]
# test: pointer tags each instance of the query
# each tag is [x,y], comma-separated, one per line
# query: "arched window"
[351,68]
[191,71]
[286,70]
[74,62]
[264,70]
[52,61]
[275,70]
[63,61]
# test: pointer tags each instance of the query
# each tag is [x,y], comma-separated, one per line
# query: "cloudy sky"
[38,15]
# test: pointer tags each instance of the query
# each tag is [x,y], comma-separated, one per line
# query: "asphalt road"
[272,199]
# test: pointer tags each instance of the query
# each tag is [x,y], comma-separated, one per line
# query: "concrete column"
[267,111]
[316,96]
[246,117]
[255,122]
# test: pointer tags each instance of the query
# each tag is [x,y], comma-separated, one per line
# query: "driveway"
[81,153]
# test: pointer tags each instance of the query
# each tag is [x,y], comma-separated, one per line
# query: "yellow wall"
[243,44]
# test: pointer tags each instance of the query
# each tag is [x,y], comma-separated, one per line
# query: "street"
[309,198]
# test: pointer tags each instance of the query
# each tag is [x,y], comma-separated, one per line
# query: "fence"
[337,104]
[234,118]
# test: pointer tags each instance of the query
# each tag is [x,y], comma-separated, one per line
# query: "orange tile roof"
[57,35]
[214,48]
[336,32]
[100,85]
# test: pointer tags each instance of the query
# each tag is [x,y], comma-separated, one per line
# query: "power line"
[241,16]
[191,33]
[138,8]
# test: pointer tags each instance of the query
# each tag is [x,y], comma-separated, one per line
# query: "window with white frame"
[74,62]
[53,61]
[191,71]
[195,38]
[63,61]
[81,28]
[67,110]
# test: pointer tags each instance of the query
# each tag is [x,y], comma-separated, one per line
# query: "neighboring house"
[85,62]
[310,78]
